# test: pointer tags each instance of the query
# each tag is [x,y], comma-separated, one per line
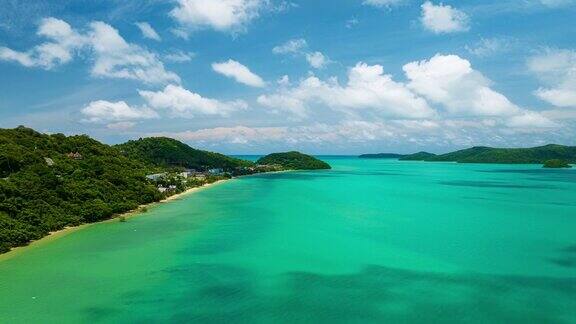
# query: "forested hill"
[48,182]
[170,152]
[534,155]
[294,161]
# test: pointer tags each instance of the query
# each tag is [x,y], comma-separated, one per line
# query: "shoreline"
[127,215]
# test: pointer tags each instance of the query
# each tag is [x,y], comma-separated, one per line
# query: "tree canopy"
[294,161]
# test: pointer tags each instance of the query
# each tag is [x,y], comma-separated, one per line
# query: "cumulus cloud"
[443,18]
[368,88]
[299,47]
[451,81]
[180,102]
[222,15]
[557,70]
[116,58]
[106,111]
[317,60]
[148,31]
[62,42]
[113,57]
[238,72]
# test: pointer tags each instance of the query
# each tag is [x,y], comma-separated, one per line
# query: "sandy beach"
[127,215]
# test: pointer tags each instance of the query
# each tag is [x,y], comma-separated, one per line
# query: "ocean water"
[371,241]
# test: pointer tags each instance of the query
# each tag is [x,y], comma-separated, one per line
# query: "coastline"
[127,215]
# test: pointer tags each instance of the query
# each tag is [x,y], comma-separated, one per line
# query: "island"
[485,154]
[50,182]
[293,161]
[557,164]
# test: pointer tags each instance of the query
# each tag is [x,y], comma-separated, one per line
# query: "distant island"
[483,154]
[49,182]
[293,161]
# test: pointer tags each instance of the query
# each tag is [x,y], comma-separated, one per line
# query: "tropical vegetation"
[294,161]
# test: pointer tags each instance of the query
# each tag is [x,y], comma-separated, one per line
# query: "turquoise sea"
[371,241]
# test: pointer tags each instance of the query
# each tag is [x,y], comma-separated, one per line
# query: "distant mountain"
[534,155]
[381,156]
[172,153]
[420,156]
[294,161]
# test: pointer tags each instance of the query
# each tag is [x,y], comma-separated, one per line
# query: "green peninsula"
[293,161]
[49,182]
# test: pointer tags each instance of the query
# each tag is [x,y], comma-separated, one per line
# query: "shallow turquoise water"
[369,241]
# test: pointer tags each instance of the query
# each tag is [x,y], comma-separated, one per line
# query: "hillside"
[172,153]
[48,182]
[294,161]
[420,156]
[381,156]
[535,155]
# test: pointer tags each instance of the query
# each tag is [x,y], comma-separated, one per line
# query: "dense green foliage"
[420,156]
[535,155]
[381,156]
[294,161]
[557,164]
[46,187]
[170,152]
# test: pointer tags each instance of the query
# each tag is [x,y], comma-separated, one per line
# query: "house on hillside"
[156,177]
[216,171]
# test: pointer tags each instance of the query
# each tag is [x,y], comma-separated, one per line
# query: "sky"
[322,77]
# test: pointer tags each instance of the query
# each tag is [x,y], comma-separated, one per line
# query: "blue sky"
[254,76]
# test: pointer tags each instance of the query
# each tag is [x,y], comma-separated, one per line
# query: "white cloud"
[63,41]
[148,31]
[451,81]
[238,72]
[368,88]
[317,60]
[106,111]
[383,3]
[530,120]
[180,102]
[179,57]
[293,46]
[556,69]
[222,15]
[490,46]
[351,133]
[299,47]
[284,81]
[237,134]
[113,57]
[443,18]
